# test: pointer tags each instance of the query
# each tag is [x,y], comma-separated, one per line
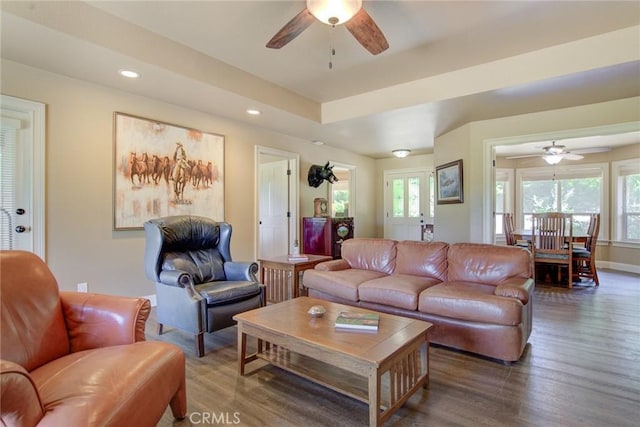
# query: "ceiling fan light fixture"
[401,153]
[552,159]
[334,12]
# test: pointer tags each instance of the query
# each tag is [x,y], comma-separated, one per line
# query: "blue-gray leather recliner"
[198,287]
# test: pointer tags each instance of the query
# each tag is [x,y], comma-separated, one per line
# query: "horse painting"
[180,179]
[137,167]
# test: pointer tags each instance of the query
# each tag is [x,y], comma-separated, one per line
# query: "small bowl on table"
[317,311]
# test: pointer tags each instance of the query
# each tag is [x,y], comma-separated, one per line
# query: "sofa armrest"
[96,320]
[333,265]
[238,270]
[515,288]
[20,404]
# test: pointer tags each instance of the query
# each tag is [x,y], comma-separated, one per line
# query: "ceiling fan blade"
[571,156]
[524,156]
[292,29]
[365,30]
[591,150]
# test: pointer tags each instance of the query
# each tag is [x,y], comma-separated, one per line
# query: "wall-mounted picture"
[162,169]
[449,183]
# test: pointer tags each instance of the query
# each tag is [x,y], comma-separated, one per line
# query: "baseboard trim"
[628,268]
[152,299]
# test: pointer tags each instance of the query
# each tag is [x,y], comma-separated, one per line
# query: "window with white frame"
[626,200]
[503,198]
[580,190]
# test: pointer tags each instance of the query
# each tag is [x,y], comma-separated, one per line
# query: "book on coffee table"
[361,321]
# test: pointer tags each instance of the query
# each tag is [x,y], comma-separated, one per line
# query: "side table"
[282,277]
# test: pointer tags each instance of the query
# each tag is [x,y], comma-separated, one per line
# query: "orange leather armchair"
[79,359]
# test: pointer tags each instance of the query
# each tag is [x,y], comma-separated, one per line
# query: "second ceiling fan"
[334,12]
[553,153]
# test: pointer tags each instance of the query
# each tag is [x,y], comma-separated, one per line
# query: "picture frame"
[449,187]
[146,182]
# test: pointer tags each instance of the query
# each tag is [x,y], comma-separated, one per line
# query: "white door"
[22,175]
[406,204]
[277,201]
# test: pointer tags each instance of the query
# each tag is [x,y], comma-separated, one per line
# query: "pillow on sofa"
[487,264]
[425,259]
[370,254]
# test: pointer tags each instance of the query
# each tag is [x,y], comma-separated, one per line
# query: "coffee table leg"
[374,397]
[242,349]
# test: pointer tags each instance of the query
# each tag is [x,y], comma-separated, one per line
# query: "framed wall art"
[449,183]
[162,169]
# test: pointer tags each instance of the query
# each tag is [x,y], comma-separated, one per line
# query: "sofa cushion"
[342,283]
[370,254]
[397,290]
[32,324]
[471,302]
[427,259]
[487,264]
[110,386]
[227,292]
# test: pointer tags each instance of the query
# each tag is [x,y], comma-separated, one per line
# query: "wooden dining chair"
[552,242]
[508,229]
[585,258]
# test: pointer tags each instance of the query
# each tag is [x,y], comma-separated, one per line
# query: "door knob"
[21,229]
[20,211]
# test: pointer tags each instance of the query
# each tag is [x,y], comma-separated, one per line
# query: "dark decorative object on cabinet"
[318,173]
[324,236]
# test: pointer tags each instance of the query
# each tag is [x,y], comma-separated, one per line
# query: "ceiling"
[449,62]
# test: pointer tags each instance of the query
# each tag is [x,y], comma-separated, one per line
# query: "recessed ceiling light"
[253,112]
[317,142]
[129,74]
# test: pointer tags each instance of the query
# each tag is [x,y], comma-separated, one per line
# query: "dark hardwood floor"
[580,368]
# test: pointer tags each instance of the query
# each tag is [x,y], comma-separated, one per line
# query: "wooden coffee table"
[382,368]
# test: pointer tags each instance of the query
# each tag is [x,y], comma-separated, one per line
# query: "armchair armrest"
[515,288]
[96,320]
[21,404]
[333,265]
[177,278]
[238,270]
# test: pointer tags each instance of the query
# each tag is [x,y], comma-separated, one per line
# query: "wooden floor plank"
[580,368]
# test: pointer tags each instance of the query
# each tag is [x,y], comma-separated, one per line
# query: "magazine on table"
[355,320]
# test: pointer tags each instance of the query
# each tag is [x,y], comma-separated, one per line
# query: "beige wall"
[453,222]
[81,243]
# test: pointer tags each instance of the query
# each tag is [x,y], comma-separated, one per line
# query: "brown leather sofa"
[478,296]
[78,359]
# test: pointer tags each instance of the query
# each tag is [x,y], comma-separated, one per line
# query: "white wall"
[81,243]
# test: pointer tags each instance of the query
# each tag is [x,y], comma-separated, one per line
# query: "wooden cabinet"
[324,236]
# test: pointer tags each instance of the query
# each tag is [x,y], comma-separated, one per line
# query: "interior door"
[406,204]
[21,175]
[274,208]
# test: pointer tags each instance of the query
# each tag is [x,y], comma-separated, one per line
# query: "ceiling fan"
[553,153]
[334,12]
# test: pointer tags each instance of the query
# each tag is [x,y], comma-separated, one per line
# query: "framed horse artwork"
[162,169]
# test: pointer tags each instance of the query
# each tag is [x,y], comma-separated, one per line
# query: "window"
[626,202]
[342,192]
[409,203]
[8,160]
[579,190]
[503,198]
